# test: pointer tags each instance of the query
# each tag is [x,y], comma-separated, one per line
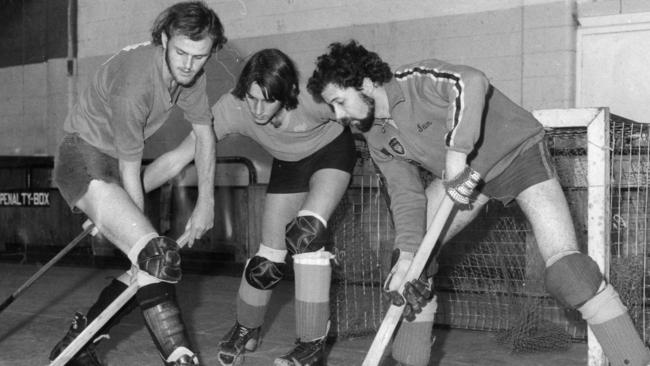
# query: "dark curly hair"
[276,75]
[346,65]
[192,19]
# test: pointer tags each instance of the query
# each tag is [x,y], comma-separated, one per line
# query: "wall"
[613,44]
[525,46]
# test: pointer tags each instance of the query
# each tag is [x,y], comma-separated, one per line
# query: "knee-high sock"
[106,297]
[609,320]
[251,304]
[252,301]
[412,344]
[313,274]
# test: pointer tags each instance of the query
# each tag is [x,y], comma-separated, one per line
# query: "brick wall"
[527,51]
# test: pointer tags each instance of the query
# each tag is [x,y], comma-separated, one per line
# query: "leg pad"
[573,279]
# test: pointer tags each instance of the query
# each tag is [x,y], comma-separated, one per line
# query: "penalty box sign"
[24,199]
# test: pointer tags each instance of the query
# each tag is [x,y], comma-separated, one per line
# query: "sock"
[106,297]
[251,304]
[611,324]
[313,274]
[412,344]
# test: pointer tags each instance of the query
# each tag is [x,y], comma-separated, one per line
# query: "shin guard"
[164,322]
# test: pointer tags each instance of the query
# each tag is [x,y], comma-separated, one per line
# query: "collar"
[395,96]
[161,69]
[394,93]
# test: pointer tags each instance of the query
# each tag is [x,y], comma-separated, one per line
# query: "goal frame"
[596,121]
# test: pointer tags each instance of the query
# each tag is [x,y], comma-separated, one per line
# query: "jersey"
[127,101]
[305,129]
[436,107]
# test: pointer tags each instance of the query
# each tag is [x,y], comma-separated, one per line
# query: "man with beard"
[449,120]
[97,168]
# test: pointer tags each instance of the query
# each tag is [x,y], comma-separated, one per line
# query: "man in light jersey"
[97,168]
[449,120]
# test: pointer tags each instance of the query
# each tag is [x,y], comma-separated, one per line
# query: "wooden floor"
[41,315]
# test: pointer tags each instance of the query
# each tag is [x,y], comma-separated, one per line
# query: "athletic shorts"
[77,163]
[532,166]
[293,176]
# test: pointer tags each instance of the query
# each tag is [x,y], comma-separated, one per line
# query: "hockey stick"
[102,319]
[394,313]
[89,228]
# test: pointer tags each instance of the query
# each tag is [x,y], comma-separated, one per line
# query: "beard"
[363,124]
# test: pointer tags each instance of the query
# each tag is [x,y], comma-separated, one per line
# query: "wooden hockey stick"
[89,228]
[97,324]
[394,313]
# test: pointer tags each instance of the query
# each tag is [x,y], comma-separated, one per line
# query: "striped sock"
[621,342]
[412,344]
[251,304]
[609,320]
[313,274]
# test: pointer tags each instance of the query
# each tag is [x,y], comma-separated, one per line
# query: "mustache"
[363,125]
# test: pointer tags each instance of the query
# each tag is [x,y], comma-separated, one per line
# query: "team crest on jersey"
[396,146]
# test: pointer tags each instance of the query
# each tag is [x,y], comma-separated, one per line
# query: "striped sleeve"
[462,89]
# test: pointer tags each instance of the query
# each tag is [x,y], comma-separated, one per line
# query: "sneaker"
[186,360]
[304,354]
[86,356]
[235,342]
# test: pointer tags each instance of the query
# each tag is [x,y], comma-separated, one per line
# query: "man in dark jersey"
[97,169]
[449,120]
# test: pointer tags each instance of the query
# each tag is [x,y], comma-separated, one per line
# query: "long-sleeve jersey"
[436,107]
[305,129]
[127,101]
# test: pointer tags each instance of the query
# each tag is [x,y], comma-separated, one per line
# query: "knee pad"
[161,259]
[262,273]
[573,279]
[306,234]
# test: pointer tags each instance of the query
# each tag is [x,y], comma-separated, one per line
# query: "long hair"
[346,65]
[192,19]
[276,75]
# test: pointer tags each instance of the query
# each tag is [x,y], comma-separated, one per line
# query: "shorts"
[532,166]
[293,176]
[78,163]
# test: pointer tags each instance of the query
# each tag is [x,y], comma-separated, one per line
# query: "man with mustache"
[449,120]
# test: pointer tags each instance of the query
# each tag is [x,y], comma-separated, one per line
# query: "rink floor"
[41,315]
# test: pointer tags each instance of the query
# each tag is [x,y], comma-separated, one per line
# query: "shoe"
[304,354]
[185,360]
[235,342]
[86,356]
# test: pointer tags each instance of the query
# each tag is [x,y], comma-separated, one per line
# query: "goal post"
[596,121]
